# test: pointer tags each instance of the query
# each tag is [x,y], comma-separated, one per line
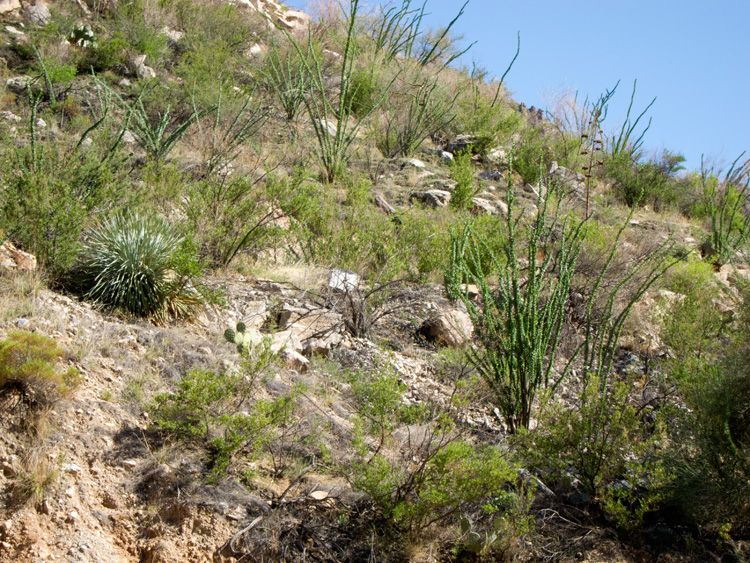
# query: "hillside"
[289,287]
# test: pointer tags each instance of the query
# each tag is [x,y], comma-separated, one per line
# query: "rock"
[321,346]
[285,339]
[491,175]
[294,360]
[460,143]
[141,70]
[173,36]
[342,280]
[256,50]
[125,83]
[13,259]
[319,495]
[9,6]
[22,323]
[496,157]
[380,202]
[17,84]
[37,14]
[128,138]
[447,156]
[484,206]
[40,123]
[72,468]
[433,198]
[9,116]
[567,178]
[448,328]
[328,127]
[415,162]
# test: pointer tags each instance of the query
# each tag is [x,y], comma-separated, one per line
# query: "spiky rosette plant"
[129,264]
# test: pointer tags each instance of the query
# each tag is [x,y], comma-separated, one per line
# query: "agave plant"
[128,264]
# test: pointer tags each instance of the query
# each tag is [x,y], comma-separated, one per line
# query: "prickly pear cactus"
[243,340]
[83,36]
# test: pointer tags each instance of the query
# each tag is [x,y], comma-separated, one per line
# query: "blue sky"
[693,56]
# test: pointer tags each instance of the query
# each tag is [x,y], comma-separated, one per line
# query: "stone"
[40,123]
[286,339]
[37,14]
[484,206]
[13,259]
[415,162]
[434,198]
[342,280]
[460,143]
[496,157]
[567,178]
[9,116]
[319,495]
[128,138]
[17,84]
[447,156]
[256,50]
[9,5]
[451,328]
[141,70]
[22,323]
[294,360]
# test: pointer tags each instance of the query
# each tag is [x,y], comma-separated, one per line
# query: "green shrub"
[438,475]
[53,192]
[693,326]
[712,442]
[29,365]
[462,171]
[218,410]
[620,462]
[139,265]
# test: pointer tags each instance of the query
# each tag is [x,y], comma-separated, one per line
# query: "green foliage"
[29,364]
[417,107]
[444,474]
[83,36]
[230,215]
[724,201]
[331,112]
[474,112]
[462,171]
[619,461]
[218,410]
[287,77]
[52,193]
[136,264]
[398,31]
[151,134]
[531,157]
[519,325]
[693,326]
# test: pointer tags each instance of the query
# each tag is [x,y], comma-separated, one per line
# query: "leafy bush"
[140,265]
[217,410]
[619,461]
[439,474]
[29,365]
[467,187]
[47,204]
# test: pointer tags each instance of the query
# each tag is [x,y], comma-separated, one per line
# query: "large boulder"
[451,327]
[9,6]
[433,198]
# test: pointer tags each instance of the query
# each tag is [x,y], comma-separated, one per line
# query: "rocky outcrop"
[448,328]
[9,5]
[433,198]
[278,15]
[12,259]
